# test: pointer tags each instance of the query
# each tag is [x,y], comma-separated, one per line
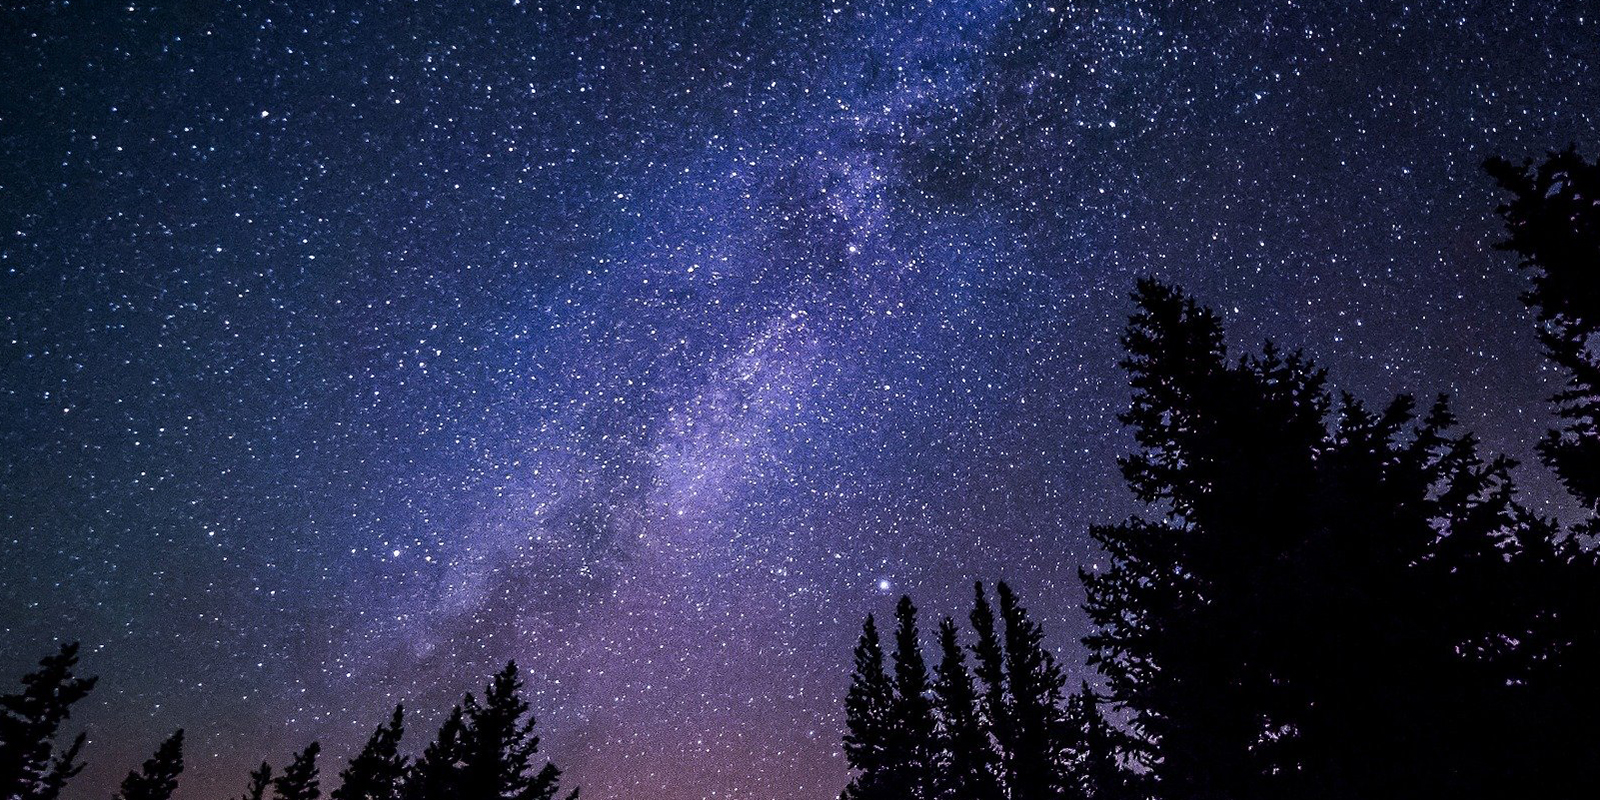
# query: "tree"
[501,745]
[1294,543]
[30,766]
[159,776]
[299,779]
[912,738]
[990,668]
[439,773]
[377,772]
[1096,745]
[869,721]
[967,759]
[1554,225]
[1151,608]
[1037,763]
[260,782]
[912,733]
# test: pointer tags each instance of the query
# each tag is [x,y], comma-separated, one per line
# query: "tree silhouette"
[439,773]
[1036,766]
[501,745]
[159,776]
[1296,543]
[377,772]
[869,721]
[260,782]
[968,764]
[912,733]
[299,779]
[1097,748]
[909,738]
[1156,639]
[30,766]
[484,749]
[1554,225]
[990,668]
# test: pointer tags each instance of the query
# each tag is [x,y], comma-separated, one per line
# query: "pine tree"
[994,712]
[1097,771]
[912,743]
[377,772]
[869,721]
[1037,767]
[439,773]
[1284,557]
[260,782]
[299,779]
[1554,225]
[967,759]
[30,766]
[1190,609]
[159,776]
[501,745]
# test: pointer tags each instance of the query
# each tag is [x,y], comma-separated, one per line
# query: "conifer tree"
[1195,602]
[299,779]
[439,773]
[30,766]
[967,759]
[1286,554]
[912,743]
[1096,767]
[990,669]
[377,772]
[501,745]
[159,776]
[1554,225]
[1037,766]
[260,782]
[869,721]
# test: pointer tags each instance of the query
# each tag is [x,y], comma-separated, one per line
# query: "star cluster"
[348,349]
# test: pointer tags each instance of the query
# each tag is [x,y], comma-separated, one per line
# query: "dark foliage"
[260,782]
[485,749]
[869,720]
[377,772]
[1096,769]
[31,768]
[1328,601]
[1553,222]
[1322,600]
[909,738]
[501,745]
[912,710]
[159,776]
[969,768]
[1037,758]
[299,779]
[440,771]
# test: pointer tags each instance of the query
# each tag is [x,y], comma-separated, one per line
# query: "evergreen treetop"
[159,776]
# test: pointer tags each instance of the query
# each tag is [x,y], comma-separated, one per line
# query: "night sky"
[348,350]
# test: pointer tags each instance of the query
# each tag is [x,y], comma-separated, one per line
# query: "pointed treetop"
[159,776]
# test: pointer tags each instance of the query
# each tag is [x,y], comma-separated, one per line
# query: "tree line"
[1322,599]
[485,750]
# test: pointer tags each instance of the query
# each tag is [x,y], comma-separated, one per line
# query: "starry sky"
[348,349]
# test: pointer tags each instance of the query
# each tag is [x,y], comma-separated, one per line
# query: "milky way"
[351,349]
